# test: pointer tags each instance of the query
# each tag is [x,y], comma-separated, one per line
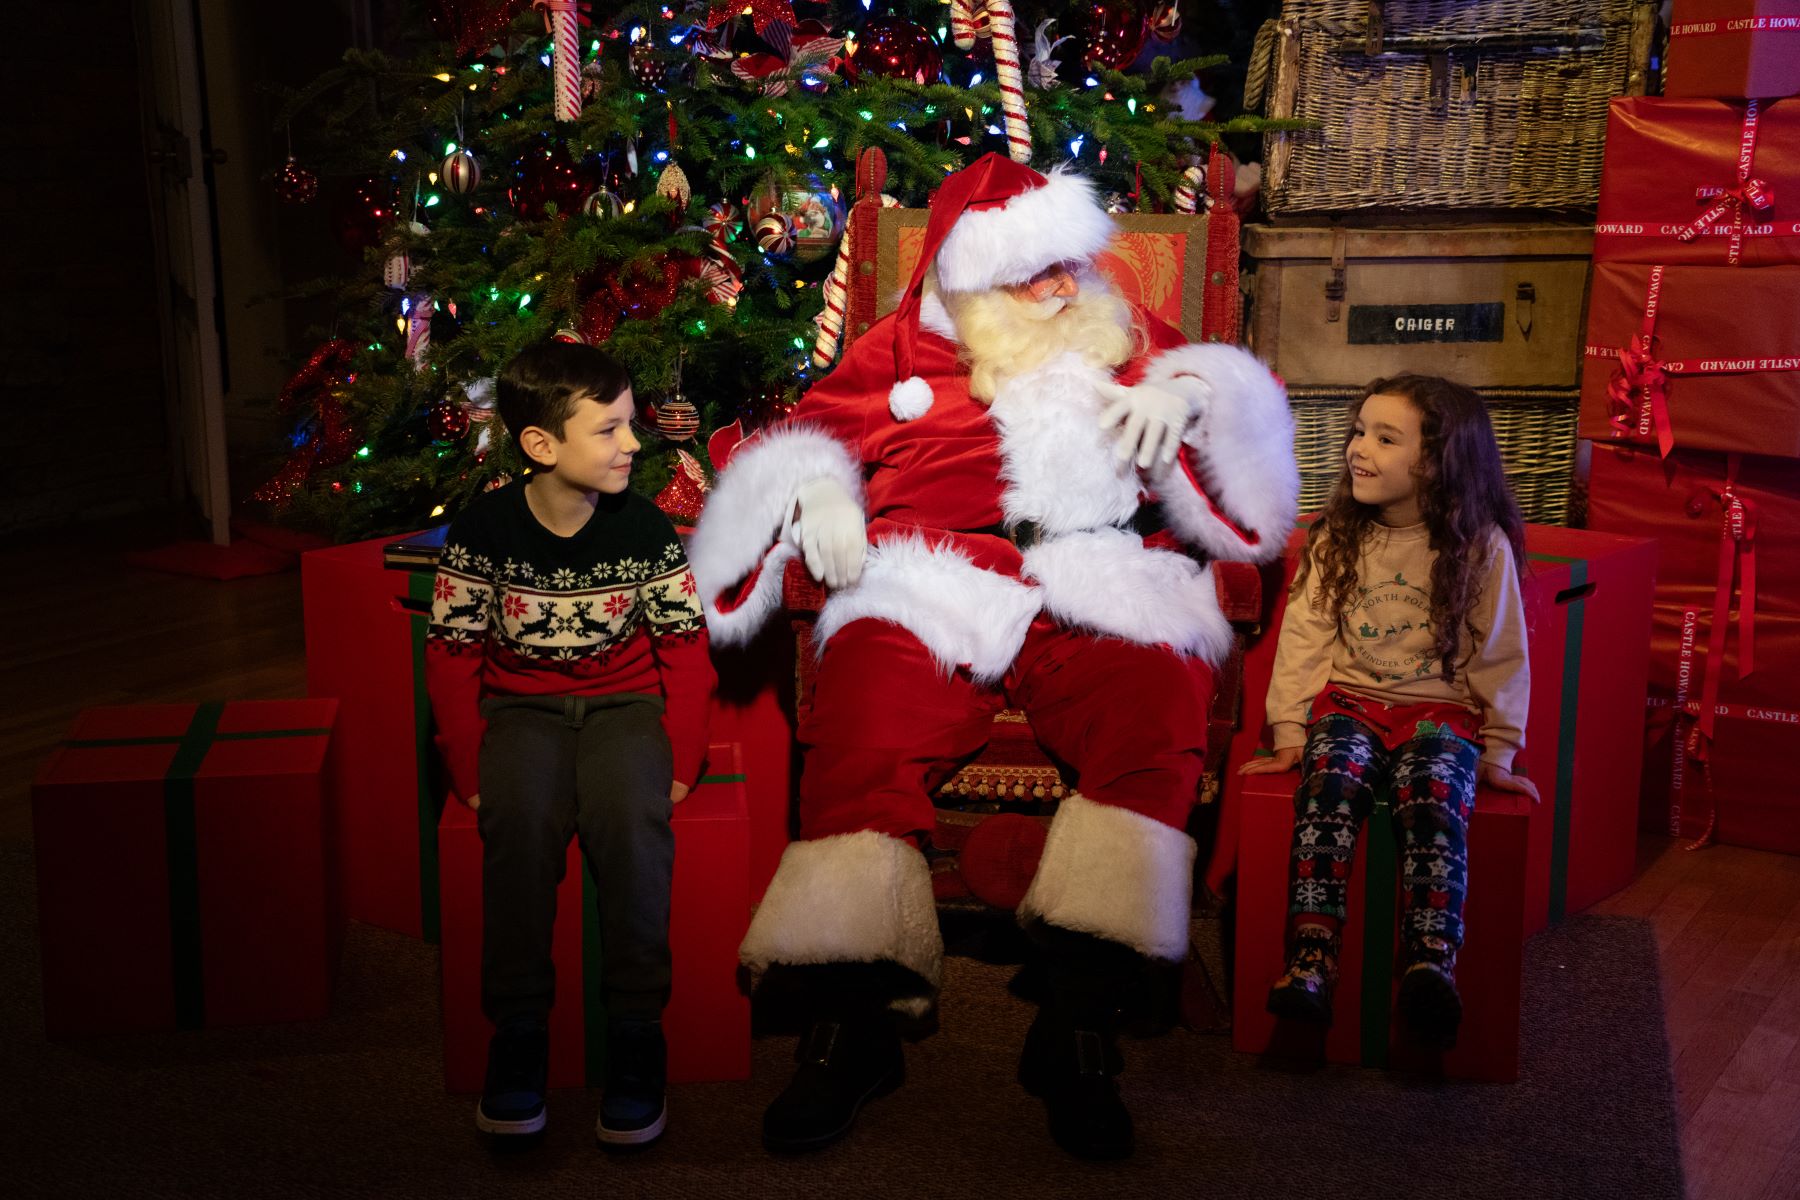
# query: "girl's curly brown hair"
[1462,494]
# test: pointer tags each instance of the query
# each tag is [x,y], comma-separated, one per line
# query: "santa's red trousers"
[888,726]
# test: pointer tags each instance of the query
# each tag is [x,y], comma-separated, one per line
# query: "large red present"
[365,639]
[181,867]
[1698,506]
[1734,49]
[1699,357]
[1725,646]
[1587,607]
[708,1019]
[1364,1028]
[1696,182]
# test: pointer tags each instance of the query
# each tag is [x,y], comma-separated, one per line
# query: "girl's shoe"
[1303,993]
[1429,1004]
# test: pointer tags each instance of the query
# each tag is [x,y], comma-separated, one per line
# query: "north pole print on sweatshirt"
[518,610]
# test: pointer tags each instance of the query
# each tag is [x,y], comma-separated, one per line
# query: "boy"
[568,671]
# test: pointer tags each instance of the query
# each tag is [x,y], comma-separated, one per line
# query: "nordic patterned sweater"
[520,611]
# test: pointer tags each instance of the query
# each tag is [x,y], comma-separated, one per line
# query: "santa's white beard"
[1005,335]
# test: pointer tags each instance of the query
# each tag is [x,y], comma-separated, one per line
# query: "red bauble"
[546,175]
[295,184]
[644,288]
[473,24]
[361,210]
[599,316]
[896,49]
[1113,32]
[447,422]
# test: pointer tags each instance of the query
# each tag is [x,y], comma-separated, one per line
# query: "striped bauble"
[460,172]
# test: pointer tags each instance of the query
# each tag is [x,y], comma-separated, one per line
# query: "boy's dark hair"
[1463,496]
[542,384]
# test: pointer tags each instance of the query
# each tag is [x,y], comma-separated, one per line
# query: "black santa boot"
[849,1054]
[1072,1060]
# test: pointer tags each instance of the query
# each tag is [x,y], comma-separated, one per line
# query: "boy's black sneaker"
[634,1108]
[518,1072]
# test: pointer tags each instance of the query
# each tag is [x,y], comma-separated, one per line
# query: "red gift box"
[1699,357]
[1725,646]
[181,867]
[1696,182]
[1695,505]
[365,639]
[1587,606]
[1364,1028]
[707,1022]
[1734,49]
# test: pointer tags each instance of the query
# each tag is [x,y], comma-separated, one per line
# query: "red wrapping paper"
[1673,163]
[181,867]
[1745,790]
[1676,502]
[1722,371]
[1734,49]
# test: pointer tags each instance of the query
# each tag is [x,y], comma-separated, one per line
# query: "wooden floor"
[87,630]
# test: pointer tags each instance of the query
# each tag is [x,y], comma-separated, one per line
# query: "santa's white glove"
[827,525]
[1150,422]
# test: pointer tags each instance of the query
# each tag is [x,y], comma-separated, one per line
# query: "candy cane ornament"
[559,20]
[1187,192]
[837,289]
[962,24]
[418,329]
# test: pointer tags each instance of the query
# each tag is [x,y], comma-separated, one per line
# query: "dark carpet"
[354,1106]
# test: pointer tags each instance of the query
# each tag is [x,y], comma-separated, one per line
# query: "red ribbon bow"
[1639,390]
[1750,195]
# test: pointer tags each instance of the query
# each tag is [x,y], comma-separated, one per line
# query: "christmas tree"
[671,183]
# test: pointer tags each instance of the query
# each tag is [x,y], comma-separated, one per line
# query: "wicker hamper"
[1490,306]
[1443,104]
[1535,428]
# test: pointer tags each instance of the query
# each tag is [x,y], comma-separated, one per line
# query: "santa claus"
[1012,487]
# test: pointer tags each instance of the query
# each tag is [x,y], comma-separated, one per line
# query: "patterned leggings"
[1433,778]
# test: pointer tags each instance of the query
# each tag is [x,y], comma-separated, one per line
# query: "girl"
[1401,665]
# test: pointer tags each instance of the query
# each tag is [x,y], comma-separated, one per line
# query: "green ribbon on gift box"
[1380,886]
[1563,790]
[181,841]
[593,993]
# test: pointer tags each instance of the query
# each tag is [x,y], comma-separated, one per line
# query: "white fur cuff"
[1116,874]
[744,514]
[1234,490]
[853,897]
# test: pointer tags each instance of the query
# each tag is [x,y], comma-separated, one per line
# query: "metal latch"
[1523,303]
[1334,286]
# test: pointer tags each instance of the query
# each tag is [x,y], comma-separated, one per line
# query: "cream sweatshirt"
[1384,649]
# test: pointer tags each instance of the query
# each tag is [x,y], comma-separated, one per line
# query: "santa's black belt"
[1025,534]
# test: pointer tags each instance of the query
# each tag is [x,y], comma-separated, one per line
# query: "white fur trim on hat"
[853,897]
[963,615]
[1240,448]
[743,517]
[910,399]
[1062,221]
[1116,874]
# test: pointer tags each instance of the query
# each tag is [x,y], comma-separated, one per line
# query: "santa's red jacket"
[937,487]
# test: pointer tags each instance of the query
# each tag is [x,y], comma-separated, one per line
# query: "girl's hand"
[1503,780]
[472,803]
[1282,760]
[678,792]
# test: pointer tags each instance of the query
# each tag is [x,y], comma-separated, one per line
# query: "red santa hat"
[993,223]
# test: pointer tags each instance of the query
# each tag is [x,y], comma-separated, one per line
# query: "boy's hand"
[472,802]
[1503,780]
[1285,759]
[678,792]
